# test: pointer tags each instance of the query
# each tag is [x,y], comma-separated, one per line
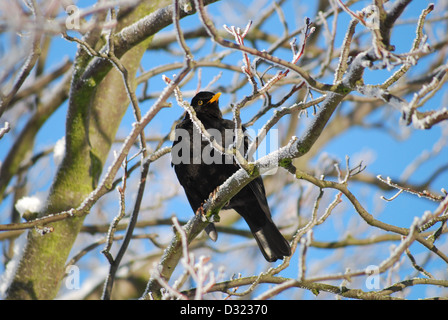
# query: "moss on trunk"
[95,112]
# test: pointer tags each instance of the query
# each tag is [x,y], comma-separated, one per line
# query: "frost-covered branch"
[423,193]
[28,65]
[5,129]
[417,45]
[103,186]
[368,218]
[214,34]
[139,31]
[342,65]
[239,38]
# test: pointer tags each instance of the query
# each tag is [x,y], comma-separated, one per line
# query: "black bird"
[201,176]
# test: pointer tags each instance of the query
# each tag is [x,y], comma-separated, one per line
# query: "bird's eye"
[200,102]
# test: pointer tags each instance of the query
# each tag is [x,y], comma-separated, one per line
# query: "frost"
[71,212]
[427,216]
[187,7]
[59,151]
[90,283]
[428,121]
[31,204]
[11,268]
[44,230]
[5,129]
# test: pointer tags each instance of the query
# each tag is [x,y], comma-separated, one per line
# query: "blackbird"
[200,169]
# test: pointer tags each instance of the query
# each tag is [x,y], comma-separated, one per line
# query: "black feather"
[200,178]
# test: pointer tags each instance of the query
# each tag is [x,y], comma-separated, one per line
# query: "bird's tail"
[271,242]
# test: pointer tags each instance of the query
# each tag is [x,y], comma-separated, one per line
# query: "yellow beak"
[215,97]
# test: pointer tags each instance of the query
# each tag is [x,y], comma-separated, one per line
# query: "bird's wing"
[256,186]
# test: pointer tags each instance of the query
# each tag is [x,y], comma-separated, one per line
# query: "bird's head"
[206,102]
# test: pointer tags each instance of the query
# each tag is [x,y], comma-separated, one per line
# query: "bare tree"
[302,81]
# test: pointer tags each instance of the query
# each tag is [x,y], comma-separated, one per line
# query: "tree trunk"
[96,108]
